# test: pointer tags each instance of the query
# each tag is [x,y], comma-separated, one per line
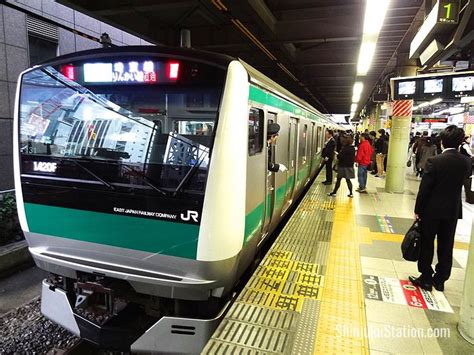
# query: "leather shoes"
[438,285]
[418,281]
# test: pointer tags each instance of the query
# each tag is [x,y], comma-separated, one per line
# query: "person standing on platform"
[381,149]
[373,165]
[411,152]
[357,139]
[363,159]
[465,150]
[438,208]
[328,155]
[345,169]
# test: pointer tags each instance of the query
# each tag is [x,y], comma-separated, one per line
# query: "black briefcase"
[411,243]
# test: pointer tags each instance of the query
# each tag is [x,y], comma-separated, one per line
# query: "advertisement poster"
[391,290]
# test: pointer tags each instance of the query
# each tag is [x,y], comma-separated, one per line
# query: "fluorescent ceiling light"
[358,87]
[428,103]
[467,99]
[451,110]
[435,101]
[353,107]
[356,92]
[375,11]
[366,54]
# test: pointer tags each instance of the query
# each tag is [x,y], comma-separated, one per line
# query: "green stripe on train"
[254,219]
[155,236]
[263,97]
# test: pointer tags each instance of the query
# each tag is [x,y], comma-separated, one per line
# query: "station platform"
[334,281]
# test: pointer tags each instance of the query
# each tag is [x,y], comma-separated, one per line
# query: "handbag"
[411,242]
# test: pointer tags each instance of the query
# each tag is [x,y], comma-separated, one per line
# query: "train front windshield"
[127,124]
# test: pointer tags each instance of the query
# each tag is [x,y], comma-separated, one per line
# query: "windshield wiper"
[189,175]
[98,178]
[146,179]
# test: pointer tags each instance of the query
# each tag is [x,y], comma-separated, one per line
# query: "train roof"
[205,56]
[219,59]
[264,81]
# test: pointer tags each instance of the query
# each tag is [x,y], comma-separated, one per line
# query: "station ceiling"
[309,46]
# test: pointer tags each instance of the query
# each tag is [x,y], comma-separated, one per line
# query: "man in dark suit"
[272,134]
[438,207]
[328,155]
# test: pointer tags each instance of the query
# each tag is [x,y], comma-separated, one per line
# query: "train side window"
[323,136]
[318,138]
[304,145]
[256,117]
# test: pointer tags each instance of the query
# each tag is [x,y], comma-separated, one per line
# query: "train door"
[270,191]
[292,161]
[312,149]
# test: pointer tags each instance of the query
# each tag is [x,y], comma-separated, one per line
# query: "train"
[142,186]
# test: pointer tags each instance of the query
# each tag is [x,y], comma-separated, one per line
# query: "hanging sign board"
[448,11]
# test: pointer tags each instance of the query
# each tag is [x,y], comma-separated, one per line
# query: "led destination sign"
[448,11]
[131,72]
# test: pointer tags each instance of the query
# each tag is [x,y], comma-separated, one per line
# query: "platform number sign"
[448,11]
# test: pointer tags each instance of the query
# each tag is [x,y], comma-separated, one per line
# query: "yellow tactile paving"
[342,321]
[370,236]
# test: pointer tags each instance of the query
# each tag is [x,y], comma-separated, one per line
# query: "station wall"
[15,51]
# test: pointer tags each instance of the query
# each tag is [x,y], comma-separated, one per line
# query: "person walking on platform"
[438,208]
[418,148]
[381,149]
[328,155]
[363,159]
[345,169]
[427,150]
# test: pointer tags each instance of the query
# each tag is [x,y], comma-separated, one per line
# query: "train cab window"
[255,131]
[131,137]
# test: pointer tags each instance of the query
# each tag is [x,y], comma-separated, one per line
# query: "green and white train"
[142,186]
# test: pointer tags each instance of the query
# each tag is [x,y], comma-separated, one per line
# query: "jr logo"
[190,215]
[44,167]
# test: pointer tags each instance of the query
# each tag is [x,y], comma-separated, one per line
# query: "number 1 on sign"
[448,10]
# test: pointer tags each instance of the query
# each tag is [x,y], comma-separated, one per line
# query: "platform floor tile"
[277,311]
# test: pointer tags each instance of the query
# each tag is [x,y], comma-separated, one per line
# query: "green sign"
[448,11]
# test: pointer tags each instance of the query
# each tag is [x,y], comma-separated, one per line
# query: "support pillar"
[398,146]
[399,132]
[466,314]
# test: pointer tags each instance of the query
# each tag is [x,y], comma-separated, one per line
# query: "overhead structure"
[447,31]
[310,47]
